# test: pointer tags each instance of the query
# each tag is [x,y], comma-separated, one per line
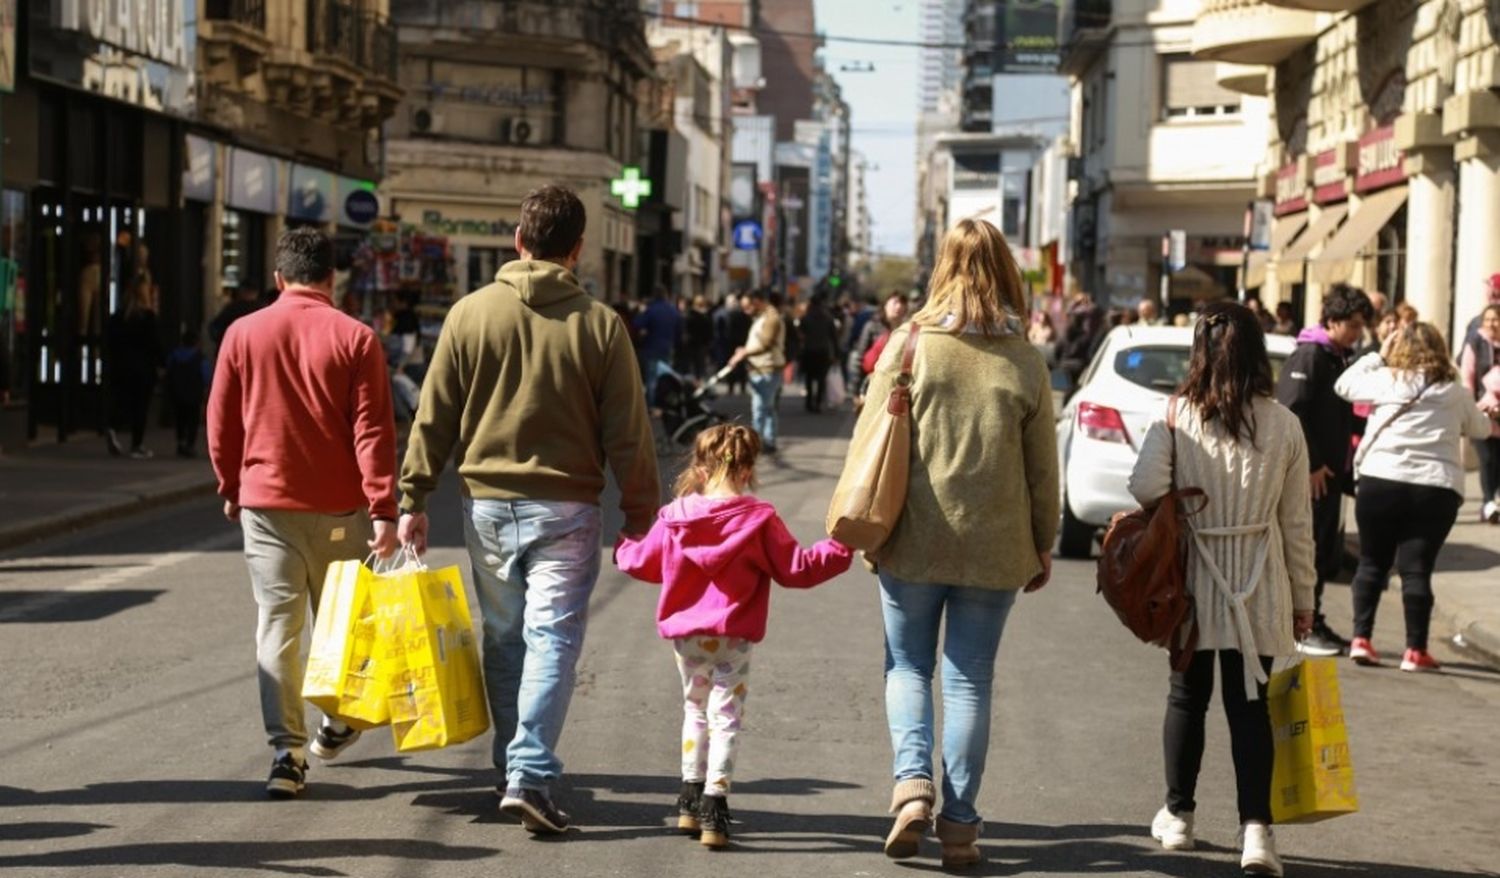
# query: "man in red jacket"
[303,440]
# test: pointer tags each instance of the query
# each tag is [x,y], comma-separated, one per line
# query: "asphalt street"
[131,743]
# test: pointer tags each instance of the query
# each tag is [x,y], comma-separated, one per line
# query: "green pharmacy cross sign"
[630,187]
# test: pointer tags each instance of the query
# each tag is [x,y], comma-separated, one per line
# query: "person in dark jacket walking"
[186,384]
[1307,388]
[697,338]
[819,333]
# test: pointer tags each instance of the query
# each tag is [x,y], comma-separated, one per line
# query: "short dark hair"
[1342,302]
[759,294]
[552,222]
[304,256]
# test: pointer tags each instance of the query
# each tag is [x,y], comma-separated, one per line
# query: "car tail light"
[1102,423]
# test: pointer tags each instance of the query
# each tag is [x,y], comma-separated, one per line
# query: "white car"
[1100,430]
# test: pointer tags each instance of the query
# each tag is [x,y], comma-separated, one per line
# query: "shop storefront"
[1369,250]
[92,167]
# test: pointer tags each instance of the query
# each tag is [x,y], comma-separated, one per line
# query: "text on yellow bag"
[436,688]
[1314,776]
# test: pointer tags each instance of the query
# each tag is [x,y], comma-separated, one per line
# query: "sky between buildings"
[883,105]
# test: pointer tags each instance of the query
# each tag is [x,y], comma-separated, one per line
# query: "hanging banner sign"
[1380,162]
[1291,189]
[1329,176]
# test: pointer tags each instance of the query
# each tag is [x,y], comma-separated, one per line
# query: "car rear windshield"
[1163,369]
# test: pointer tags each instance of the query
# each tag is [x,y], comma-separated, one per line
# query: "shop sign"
[1328,178]
[491,95]
[434,221]
[202,167]
[310,197]
[1291,190]
[358,204]
[149,28]
[1380,163]
[252,181]
[141,52]
[1258,224]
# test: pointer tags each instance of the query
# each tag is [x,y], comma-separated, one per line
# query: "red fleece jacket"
[300,413]
[716,560]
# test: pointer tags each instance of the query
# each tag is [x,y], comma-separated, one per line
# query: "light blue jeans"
[764,391]
[535,565]
[975,618]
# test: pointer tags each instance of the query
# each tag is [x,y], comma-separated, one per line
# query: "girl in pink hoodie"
[715,551]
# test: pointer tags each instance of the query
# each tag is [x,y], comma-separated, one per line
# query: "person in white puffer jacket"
[1411,478]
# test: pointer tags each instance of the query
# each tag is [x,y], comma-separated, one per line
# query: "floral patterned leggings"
[715,672]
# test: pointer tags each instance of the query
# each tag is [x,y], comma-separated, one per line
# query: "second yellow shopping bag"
[344,676]
[436,693]
[1314,776]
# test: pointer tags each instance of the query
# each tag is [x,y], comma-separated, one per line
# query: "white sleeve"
[1365,380]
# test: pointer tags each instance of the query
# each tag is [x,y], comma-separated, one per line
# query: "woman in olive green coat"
[980,516]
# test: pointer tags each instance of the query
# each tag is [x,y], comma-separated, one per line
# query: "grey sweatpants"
[288,554]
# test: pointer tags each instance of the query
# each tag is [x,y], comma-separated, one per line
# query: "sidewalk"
[50,488]
[1467,582]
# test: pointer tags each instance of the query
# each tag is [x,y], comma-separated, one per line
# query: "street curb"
[64,522]
[1478,637]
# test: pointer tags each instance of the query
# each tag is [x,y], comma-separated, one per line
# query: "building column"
[1429,235]
[1474,118]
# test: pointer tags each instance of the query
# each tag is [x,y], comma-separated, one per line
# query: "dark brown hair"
[304,256]
[725,452]
[552,222]
[1229,368]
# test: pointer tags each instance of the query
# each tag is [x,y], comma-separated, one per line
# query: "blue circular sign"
[361,206]
[747,235]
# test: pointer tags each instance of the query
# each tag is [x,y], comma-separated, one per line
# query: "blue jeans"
[764,390]
[976,617]
[535,565]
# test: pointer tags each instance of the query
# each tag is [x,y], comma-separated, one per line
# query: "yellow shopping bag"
[343,676]
[1314,778]
[436,689]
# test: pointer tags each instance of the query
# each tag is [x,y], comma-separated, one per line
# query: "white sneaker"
[1491,512]
[1258,848]
[1174,831]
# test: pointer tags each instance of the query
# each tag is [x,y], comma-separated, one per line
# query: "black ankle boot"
[689,801]
[713,819]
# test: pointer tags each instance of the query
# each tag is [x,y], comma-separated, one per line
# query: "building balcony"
[232,34]
[1323,5]
[1083,31]
[1251,31]
[1247,79]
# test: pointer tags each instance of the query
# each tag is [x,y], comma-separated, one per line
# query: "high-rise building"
[942,30]
[788,57]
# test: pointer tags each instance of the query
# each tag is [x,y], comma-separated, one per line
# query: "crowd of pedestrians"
[302,438]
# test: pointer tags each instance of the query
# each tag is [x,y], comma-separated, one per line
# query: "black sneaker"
[689,800]
[535,810]
[288,777]
[1322,641]
[329,743]
[713,818]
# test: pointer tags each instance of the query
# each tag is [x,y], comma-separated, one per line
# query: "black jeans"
[187,416]
[1328,540]
[133,407]
[1488,451]
[815,366]
[1406,525]
[1249,734]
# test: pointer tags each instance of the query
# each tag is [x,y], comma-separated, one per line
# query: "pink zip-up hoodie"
[716,558]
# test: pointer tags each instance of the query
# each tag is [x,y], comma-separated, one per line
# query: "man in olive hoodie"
[535,386]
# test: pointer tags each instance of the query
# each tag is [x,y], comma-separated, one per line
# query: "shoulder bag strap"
[900,401]
[1364,447]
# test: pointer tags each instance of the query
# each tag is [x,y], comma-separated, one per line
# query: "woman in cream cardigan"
[980,516]
[1250,566]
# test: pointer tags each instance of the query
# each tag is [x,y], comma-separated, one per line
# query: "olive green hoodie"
[533,387]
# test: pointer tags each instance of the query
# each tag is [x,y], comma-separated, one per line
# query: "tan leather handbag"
[872,490]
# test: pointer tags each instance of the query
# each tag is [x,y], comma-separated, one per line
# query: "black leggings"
[1249,734]
[815,366]
[1488,451]
[1406,525]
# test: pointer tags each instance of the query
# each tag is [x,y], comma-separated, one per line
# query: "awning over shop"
[1282,233]
[1292,262]
[1336,263]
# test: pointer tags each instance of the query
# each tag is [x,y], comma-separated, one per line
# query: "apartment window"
[1190,89]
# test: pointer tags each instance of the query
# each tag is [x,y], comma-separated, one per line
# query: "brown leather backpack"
[1143,566]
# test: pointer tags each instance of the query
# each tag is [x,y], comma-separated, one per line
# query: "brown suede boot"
[960,843]
[912,804]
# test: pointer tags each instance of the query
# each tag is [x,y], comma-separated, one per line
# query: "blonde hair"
[1420,348]
[722,453]
[975,280]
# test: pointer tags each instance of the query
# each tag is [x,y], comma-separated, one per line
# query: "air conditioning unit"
[425,121]
[518,130]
